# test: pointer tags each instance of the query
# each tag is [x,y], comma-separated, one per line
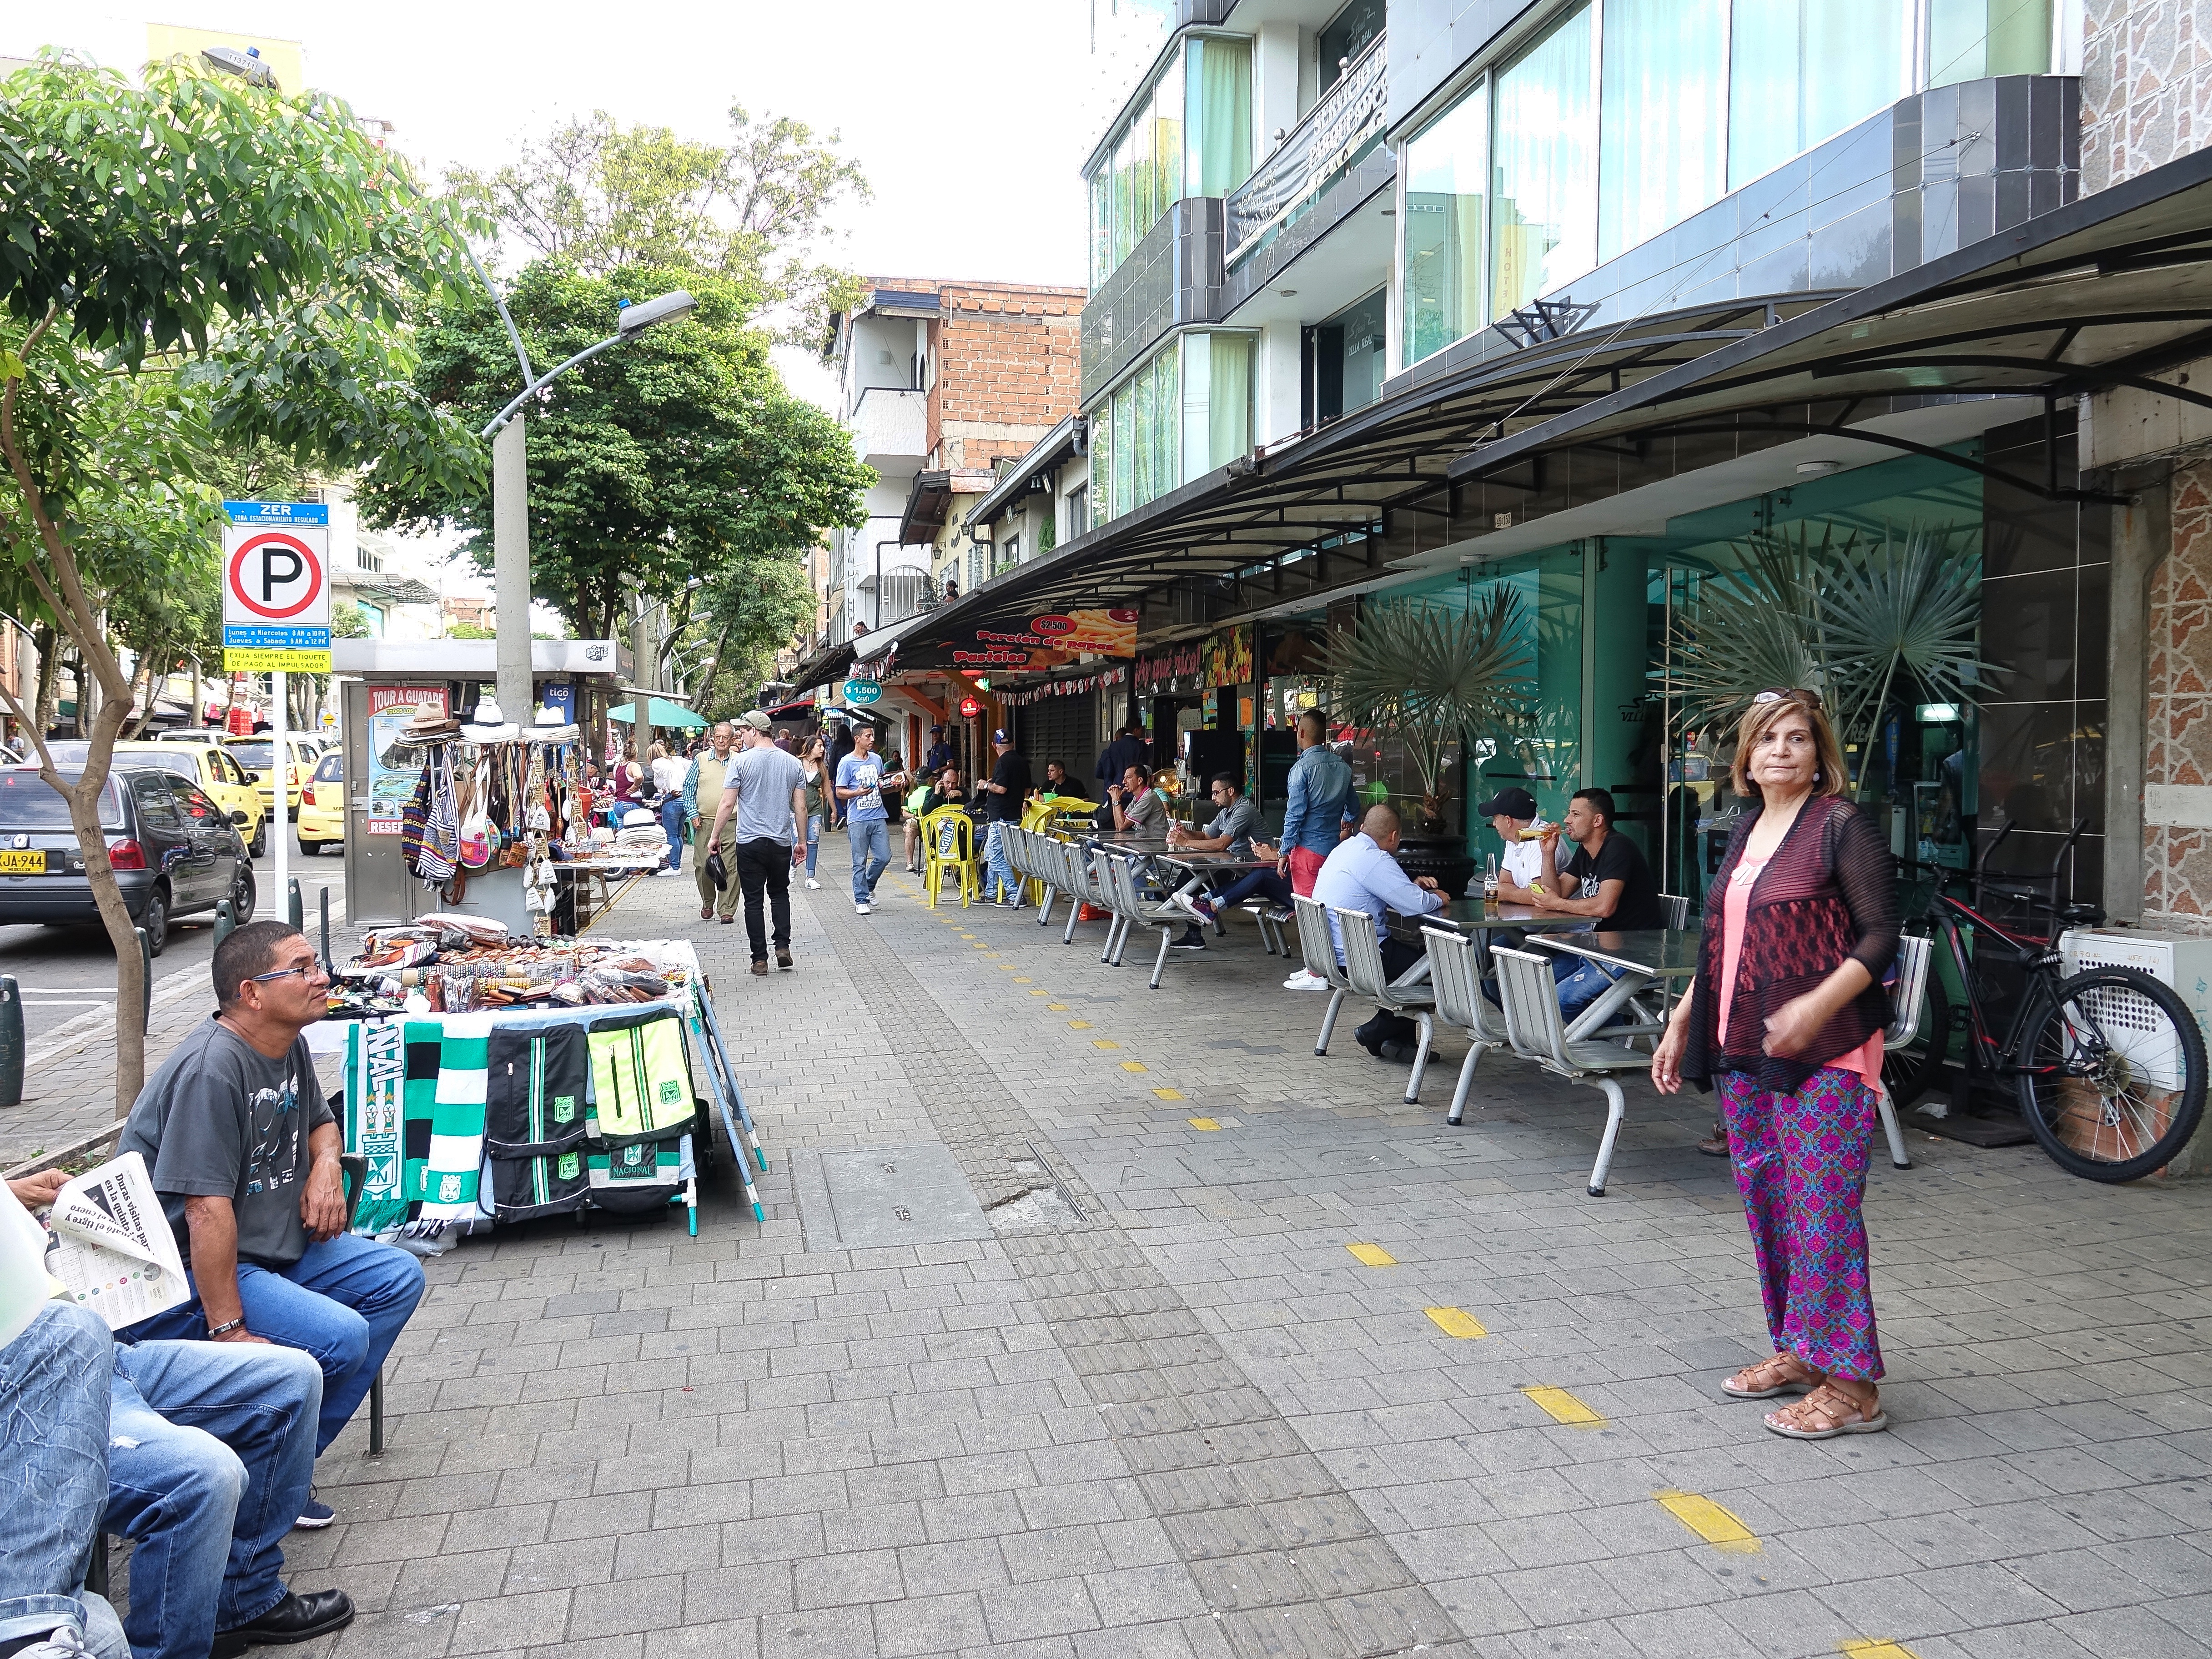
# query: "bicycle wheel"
[2111,1080]
[1909,1071]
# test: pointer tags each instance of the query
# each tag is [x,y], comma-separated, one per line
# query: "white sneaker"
[1302,981]
[862,908]
[812,885]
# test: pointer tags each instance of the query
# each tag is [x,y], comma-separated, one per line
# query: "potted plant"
[1429,677]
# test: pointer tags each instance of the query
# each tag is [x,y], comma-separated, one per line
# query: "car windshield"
[184,762]
[66,752]
[255,757]
[28,801]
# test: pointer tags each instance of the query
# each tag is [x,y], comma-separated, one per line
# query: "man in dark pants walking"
[765,789]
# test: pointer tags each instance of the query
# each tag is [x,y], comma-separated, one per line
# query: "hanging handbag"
[476,841]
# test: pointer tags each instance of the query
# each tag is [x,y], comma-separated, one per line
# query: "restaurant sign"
[1049,641]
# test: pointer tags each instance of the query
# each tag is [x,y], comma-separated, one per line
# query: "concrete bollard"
[294,912]
[225,921]
[146,977]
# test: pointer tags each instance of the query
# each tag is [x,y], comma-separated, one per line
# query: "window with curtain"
[1217,401]
[1543,167]
[1968,39]
[1145,434]
[1167,401]
[1166,120]
[1125,210]
[1124,452]
[1102,222]
[1440,228]
[1218,139]
[1660,142]
[1802,70]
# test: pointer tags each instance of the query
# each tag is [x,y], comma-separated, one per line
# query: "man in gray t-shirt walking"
[765,789]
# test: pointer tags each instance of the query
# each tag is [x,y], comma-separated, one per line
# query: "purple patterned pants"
[1801,1163]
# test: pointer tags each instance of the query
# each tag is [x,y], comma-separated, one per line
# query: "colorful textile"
[376,1071]
[1800,1164]
[641,1078]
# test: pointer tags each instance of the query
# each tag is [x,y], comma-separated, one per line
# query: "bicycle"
[2107,1064]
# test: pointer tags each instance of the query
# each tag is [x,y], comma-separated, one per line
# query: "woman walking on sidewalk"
[1784,1019]
[814,763]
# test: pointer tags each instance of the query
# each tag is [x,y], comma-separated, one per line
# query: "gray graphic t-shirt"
[221,1120]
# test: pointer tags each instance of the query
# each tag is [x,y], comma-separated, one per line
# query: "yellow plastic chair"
[961,862]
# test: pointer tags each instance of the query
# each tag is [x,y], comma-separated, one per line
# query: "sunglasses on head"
[1787,694]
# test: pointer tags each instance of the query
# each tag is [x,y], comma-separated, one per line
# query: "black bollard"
[226,920]
[294,912]
[146,978]
[11,1042]
[326,930]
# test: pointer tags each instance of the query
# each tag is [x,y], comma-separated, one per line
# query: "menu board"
[394,763]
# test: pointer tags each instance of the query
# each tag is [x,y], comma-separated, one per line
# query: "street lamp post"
[510,493]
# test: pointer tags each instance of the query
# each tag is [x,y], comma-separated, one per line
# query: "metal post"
[280,728]
[11,1042]
[644,653]
[145,978]
[295,909]
[326,929]
[510,532]
[225,921]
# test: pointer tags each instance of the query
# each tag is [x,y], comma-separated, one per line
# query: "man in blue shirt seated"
[1362,875]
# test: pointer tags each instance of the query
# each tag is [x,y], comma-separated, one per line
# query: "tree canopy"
[677,454]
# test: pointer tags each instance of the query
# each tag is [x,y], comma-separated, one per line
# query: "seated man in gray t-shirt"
[1236,816]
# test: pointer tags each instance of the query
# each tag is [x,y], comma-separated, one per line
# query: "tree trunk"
[46,639]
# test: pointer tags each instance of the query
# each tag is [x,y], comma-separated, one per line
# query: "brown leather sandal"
[1776,1374]
[1828,1412]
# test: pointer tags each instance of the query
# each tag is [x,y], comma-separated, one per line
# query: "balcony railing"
[1336,132]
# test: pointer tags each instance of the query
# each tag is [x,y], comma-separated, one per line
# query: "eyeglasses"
[305,970]
[1787,694]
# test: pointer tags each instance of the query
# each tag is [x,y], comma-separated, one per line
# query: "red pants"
[1305,865]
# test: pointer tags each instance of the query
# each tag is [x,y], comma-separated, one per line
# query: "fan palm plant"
[1854,622]
[1428,676]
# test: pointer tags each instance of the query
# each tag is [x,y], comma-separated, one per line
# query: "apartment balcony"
[1336,133]
[891,428]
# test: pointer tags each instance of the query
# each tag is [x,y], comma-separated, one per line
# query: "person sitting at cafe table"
[1511,812]
[1605,879]
[1136,805]
[1362,874]
[1229,831]
[1059,784]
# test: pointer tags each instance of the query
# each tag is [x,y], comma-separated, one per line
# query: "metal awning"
[2113,290]
[828,664]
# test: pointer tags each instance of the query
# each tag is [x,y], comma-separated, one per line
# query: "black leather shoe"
[294,1619]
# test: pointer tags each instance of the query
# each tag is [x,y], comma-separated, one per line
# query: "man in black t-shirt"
[1003,797]
[1607,880]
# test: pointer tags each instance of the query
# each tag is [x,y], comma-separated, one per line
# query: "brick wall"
[1007,361]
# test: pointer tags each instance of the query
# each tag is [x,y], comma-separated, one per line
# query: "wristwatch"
[215,1332]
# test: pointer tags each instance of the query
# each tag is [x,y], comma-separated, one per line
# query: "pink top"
[1735,905]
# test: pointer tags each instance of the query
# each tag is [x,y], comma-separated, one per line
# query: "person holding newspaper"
[91,1442]
[244,1152]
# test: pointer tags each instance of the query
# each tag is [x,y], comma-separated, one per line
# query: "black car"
[173,848]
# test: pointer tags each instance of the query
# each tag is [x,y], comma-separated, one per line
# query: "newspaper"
[113,1248]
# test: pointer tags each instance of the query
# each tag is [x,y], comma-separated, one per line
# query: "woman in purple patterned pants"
[1785,1019]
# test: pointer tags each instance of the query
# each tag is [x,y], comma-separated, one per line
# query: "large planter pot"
[1444,857]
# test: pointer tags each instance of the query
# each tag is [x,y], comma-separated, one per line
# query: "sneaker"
[1203,907]
[812,885]
[1192,939]
[1305,981]
[314,1514]
[861,907]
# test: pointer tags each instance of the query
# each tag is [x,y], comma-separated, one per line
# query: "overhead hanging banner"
[1050,640]
[276,588]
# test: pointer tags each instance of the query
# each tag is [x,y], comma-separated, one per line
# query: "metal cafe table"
[1192,863]
[1638,960]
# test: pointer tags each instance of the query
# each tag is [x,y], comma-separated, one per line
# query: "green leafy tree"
[678,453]
[757,211]
[182,258]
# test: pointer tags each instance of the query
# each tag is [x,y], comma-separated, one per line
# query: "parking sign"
[276,588]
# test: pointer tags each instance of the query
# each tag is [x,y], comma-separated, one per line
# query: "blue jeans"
[53,1477]
[871,854]
[814,842]
[210,1449]
[1580,982]
[1266,882]
[343,1303]
[671,825]
[998,868]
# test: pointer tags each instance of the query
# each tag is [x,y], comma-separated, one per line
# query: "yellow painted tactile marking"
[1372,1255]
[1195,1122]
[1134,1065]
[1562,1408]
[1078,1025]
[1024,980]
[1875,1647]
[1457,1321]
[1055,1007]
[1172,1094]
[1101,1043]
[1006,967]
[1716,1525]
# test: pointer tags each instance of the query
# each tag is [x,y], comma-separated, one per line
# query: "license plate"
[22,864]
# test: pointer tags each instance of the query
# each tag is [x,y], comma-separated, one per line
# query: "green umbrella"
[664,713]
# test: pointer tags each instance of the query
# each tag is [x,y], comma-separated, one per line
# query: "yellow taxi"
[258,754]
[215,771]
[323,806]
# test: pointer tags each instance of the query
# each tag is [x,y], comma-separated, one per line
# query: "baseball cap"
[754,717]
[999,736]
[1509,802]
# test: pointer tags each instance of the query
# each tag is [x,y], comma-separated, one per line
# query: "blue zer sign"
[276,588]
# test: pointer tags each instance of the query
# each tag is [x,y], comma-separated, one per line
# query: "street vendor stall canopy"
[1609,429]
[664,713]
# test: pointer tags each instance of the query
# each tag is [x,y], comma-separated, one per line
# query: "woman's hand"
[1667,1059]
[1794,1025]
